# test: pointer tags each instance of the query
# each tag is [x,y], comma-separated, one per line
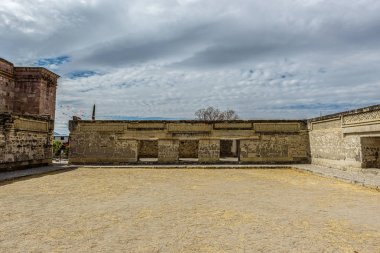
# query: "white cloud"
[265,59]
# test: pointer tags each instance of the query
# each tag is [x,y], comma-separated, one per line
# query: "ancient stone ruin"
[27,109]
[348,139]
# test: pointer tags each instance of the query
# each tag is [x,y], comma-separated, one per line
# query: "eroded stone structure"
[343,140]
[170,141]
[27,109]
[347,139]
[27,90]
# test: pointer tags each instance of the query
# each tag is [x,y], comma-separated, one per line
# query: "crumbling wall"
[24,141]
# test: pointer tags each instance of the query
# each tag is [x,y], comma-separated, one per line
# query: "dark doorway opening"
[188,150]
[148,151]
[370,152]
[229,150]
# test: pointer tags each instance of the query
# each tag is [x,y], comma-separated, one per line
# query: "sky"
[164,59]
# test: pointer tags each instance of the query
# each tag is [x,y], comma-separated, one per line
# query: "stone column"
[168,151]
[248,150]
[209,151]
[129,150]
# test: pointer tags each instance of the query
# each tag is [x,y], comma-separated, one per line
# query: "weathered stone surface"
[188,149]
[278,148]
[102,147]
[346,145]
[209,151]
[168,151]
[27,90]
[146,125]
[183,127]
[276,127]
[240,125]
[363,117]
[24,141]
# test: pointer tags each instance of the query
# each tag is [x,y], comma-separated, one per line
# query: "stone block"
[168,151]
[209,150]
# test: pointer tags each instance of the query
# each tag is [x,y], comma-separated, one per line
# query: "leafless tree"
[211,113]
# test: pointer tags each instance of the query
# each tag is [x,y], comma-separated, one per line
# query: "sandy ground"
[187,210]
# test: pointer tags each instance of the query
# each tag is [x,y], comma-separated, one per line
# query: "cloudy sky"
[168,58]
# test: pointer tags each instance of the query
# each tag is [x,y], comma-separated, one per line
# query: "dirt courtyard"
[187,210]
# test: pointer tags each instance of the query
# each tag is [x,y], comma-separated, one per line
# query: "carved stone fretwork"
[361,118]
[276,127]
[200,127]
[146,126]
[327,124]
[238,125]
[102,127]
[31,125]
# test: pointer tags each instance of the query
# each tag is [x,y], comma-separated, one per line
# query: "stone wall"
[27,90]
[260,141]
[24,141]
[7,92]
[346,140]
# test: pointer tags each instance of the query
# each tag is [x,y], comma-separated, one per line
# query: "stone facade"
[346,140]
[169,141]
[24,141]
[27,111]
[27,90]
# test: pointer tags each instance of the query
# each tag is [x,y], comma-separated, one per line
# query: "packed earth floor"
[187,210]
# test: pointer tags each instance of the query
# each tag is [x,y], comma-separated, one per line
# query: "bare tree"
[211,113]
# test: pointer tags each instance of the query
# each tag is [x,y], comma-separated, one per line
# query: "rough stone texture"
[103,147]
[334,140]
[168,151]
[276,148]
[209,151]
[188,149]
[371,152]
[27,90]
[181,139]
[27,110]
[347,139]
[24,141]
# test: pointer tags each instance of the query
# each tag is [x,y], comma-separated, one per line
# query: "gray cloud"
[167,58]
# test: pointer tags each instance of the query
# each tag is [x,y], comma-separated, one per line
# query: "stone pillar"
[234,147]
[168,151]
[247,150]
[209,151]
[128,150]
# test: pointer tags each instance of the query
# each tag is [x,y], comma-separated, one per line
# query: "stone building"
[27,111]
[250,141]
[27,90]
[343,140]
